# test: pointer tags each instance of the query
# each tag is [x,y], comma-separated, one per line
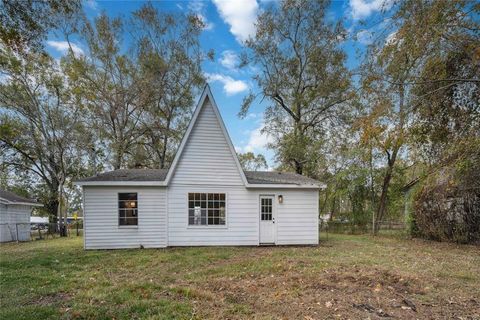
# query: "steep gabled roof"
[7,197]
[162,177]
[207,94]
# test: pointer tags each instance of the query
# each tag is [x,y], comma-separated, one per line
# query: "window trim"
[126,226]
[207,226]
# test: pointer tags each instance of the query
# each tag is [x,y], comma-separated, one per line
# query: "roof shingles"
[274,177]
[253,177]
[13,198]
[129,175]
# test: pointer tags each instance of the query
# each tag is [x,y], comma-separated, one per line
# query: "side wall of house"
[297,217]
[101,218]
[14,220]
[208,165]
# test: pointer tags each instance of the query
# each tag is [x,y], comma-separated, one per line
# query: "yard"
[344,277]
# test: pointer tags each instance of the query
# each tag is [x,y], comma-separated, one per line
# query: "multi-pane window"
[127,209]
[266,209]
[206,208]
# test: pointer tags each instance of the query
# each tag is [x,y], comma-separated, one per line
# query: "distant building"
[38,220]
[15,214]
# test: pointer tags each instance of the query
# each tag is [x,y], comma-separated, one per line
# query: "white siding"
[101,218]
[206,158]
[6,231]
[241,218]
[14,219]
[296,218]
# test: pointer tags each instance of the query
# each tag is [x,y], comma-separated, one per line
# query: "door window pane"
[266,209]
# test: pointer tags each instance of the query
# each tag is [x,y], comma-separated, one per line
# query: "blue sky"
[228,23]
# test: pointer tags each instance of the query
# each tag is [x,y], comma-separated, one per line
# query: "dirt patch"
[341,293]
[51,299]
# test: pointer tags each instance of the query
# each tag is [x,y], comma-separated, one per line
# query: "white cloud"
[63,47]
[230,85]
[207,24]
[229,60]
[240,15]
[251,115]
[365,37]
[92,4]
[257,141]
[363,8]
[198,7]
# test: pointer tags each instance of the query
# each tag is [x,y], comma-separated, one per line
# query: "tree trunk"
[333,206]
[298,167]
[372,180]
[117,163]
[164,152]
[59,211]
[323,207]
[299,157]
[165,142]
[382,205]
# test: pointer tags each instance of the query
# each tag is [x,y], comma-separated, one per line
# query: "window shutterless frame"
[128,209]
[207,209]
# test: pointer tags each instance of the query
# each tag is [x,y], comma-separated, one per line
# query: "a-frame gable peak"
[202,102]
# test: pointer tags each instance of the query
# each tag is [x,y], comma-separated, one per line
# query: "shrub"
[447,206]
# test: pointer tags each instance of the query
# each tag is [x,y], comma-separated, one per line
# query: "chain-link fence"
[37,231]
[356,228]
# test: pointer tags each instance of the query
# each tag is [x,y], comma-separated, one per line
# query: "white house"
[15,216]
[203,199]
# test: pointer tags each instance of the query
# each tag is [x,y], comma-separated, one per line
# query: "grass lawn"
[344,277]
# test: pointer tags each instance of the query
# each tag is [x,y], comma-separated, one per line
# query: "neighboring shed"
[15,216]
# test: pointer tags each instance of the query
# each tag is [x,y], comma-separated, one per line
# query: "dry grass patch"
[344,277]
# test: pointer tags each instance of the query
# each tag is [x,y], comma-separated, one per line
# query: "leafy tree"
[302,73]
[169,57]
[252,162]
[24,24]
[390,77]
[41,125]
[109,84]
[351,181]
[452,114]
[447,126]
[139,94]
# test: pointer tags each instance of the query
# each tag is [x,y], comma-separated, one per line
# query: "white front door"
[267,219]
